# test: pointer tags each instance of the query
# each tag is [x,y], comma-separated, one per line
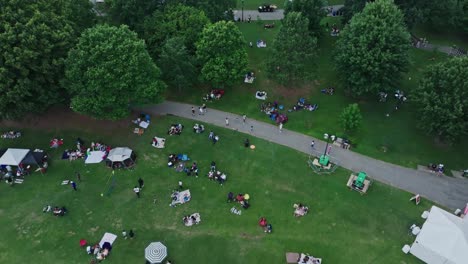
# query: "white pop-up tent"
[443,239]
[13,157]
[121,158]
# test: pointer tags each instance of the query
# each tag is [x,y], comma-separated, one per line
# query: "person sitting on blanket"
[154,142]
[262,222]
[301,210]
[211,175]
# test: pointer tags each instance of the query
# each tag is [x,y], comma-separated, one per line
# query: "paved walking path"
[449,192]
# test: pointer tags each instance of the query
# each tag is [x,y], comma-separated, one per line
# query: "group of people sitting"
[193,170]
[142,117]
[272,25]
[335,32]
[261,44]
[175,129]
[57,211]
[249,77]
[100,253]
[197,128]
[300,210]
[55,143]
[302,104]
[11,134]
[213,137]
[263,223]
[329,91]
[214,94]
[193,219]
[242,199]
[217,176]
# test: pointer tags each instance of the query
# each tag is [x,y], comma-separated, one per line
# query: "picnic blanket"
[311,260]
[261,44]
[160,144]
[249,79]
[144,124]
[180,197]
[261,95]
[95,157]
[190,222]
[108,237]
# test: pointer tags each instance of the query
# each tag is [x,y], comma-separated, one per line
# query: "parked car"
[267,8]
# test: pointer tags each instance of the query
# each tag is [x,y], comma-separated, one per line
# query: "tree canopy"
[372,51]
[215,10]
[221,51]
[108,70]
[177,66]
[292,50]
[131,12]
[442,99]
[176,21]
[351,118]
[35,37]
[313,10]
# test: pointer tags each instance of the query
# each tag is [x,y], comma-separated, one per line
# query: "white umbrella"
[156,252]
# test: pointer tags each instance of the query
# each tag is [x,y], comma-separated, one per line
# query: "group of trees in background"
[62,52]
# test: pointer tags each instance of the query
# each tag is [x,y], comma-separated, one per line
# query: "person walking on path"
[251,129]
[78,176]
[141,183]
[312,144]
[137,191]
[73,185]
[244,118]
[193,111]
[204,108]
[281,127]
[200,111]
[180,186]
[227,121]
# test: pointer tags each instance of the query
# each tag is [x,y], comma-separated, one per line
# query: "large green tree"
[177,66]
[372,51]
[221,51]
[108,70]
[176,21]
[351,118]
[131,12]
[442,99]
[313,10]
[35,37]
[292,50]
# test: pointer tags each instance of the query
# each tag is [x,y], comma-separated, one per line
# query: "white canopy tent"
[443,239]
[119,154]
[13,157]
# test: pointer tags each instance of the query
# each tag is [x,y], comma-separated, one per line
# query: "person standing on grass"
[244,118]
[193,111]
[137,191]
[124,234]
[78,176]
[131,235]
[73,185]
[227,121]
[141,183]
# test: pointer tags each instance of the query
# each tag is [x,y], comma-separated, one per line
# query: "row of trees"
[51,52]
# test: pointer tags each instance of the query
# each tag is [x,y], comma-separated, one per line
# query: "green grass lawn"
[341,226]
[446,37]
[398,134]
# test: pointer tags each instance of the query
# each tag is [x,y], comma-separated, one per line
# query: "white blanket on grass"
[108,237]
[161,143]
[95,157]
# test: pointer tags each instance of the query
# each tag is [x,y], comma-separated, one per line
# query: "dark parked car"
[267,8]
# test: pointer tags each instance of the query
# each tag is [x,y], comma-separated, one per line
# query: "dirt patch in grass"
[59,118]
[250,236]
[294,93]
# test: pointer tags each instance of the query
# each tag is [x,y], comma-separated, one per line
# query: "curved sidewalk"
[446,191]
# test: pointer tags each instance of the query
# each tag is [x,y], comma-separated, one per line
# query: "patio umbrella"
[156,252]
